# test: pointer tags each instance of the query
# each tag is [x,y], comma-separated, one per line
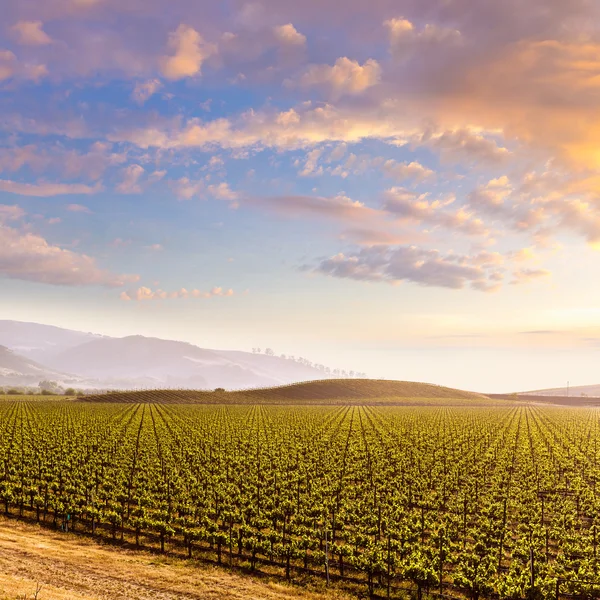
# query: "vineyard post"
[532,564]
[557,591]
[388,565]
[441,564]
[326,557]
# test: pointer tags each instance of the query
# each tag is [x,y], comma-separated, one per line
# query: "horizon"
[410,190]
[571,385]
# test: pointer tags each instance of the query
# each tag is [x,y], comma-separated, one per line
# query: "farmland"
[464,499]
[331,391]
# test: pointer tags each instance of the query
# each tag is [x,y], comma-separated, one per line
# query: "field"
[459,499]
[329,391]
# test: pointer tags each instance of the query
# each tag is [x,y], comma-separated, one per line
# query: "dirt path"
[74,568]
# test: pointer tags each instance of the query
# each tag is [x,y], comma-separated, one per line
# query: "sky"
[408,188]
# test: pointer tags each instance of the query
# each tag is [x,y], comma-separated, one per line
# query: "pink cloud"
[28,256]
[44,190]
[145,293]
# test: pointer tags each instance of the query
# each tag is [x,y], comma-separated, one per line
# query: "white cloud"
[288,35]
[189,51]
[31,33]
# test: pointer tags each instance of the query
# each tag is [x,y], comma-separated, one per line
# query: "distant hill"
[40,342]
[18,370]
[330,391]
[592,391]
[159,362]
[102,362]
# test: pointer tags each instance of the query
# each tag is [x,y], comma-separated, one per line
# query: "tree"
[50,387]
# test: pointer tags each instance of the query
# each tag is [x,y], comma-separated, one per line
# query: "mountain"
[20,371]
[39,342]
[136,361]
[177,364]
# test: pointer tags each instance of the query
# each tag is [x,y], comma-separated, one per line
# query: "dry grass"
[69,567]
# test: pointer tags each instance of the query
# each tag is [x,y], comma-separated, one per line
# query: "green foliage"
[485,501]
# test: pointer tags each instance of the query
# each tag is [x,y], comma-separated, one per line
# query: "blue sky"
[409,189]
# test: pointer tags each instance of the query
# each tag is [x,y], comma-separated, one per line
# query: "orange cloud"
[189,51]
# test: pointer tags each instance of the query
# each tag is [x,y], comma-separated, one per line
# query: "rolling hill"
[592,391]
[329,391]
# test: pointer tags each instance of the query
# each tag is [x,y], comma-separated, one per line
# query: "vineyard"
[331,391]
[485,501]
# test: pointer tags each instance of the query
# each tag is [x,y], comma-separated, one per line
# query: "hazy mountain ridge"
[19,370]
[89,360]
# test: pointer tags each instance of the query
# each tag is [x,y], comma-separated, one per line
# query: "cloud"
[543,205]
[411,264]
[344,77]
[53,158]
[189,51]
[222,191]
[143,294]
[11,67]
[130,182]
[307,126]
[288,35]
[143,90]
[78,208]
[416,207]
[405,37]
[338,208]
[29,257]
[31,33]
[310,164]
[401,171]
[464,145]
[44,190]
[186,189]
[522,276]
[10,213]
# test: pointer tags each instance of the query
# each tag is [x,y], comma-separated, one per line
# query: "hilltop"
[329,391]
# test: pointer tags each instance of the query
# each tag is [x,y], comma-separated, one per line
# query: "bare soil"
[67,566]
